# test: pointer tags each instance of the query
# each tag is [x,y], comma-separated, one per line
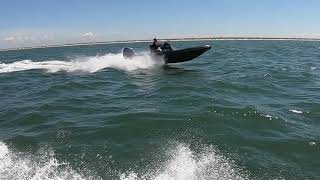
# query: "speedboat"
[170,55]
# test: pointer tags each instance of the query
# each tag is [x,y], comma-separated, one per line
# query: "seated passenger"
[155,47]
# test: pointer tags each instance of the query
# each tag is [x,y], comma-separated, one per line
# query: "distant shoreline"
[170,39]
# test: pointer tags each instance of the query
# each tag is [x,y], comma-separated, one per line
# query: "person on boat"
[155,46]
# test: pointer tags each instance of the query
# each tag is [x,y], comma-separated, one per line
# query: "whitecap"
[267,116]
[295,111]
[312,143]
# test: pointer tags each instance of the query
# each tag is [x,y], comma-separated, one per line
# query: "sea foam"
[85,64]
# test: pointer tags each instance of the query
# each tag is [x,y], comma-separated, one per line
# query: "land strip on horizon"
[164,39]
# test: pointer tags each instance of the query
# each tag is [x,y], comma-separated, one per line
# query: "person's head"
[155,40]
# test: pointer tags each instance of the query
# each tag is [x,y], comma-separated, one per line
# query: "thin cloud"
[21,38]
[10,38]
[89,35]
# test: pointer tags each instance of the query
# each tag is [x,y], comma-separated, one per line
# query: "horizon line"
[163,39]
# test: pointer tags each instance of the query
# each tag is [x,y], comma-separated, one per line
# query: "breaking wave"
[85,64]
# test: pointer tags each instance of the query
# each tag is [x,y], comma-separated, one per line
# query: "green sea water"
[243,110]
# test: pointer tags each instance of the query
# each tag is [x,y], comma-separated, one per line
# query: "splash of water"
[15,165]
[87,64]
[186,165]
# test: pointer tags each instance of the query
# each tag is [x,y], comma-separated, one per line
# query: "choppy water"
[243,110]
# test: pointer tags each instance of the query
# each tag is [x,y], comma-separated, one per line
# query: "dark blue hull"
[173,56]
[183,55]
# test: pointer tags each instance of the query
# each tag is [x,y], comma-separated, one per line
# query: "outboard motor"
[166,47]
[128,52]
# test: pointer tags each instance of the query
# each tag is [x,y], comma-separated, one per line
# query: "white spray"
[187,165]
[85,64]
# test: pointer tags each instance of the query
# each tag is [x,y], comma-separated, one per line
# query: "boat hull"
[172,56]
[183,55]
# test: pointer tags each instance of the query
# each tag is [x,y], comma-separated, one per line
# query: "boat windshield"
[166,47]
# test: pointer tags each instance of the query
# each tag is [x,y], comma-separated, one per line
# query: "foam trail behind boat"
[85,64]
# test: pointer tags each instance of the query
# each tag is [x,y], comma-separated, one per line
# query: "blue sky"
[39,22]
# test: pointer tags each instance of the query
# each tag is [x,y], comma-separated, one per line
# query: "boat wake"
[85,64]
